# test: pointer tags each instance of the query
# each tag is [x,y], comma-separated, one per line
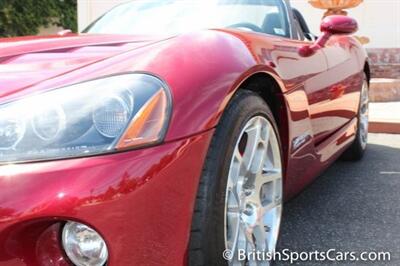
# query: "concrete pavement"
[354,206]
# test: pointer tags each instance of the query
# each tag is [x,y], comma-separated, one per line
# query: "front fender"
[203,70]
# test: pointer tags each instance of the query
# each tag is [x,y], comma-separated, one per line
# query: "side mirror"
[339,25]
[331,25]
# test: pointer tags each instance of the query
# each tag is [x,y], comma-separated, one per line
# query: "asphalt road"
[351,207]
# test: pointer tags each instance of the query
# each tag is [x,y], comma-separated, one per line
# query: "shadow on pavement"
[353,206]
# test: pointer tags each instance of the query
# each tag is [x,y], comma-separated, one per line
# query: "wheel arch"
[270,90]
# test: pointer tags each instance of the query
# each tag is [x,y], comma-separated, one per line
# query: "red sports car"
[171,132]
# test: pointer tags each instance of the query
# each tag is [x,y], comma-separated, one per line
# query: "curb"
[384,127]
[384,90]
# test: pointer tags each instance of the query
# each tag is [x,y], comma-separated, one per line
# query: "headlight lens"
[111,118]
[98,116]
[48,122]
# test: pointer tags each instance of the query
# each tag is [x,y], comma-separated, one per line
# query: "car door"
[311,76]
[336,103]
[343,83]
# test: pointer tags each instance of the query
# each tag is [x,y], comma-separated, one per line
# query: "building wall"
[90,10]
[378,19]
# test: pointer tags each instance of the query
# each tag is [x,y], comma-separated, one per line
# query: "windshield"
[178,16]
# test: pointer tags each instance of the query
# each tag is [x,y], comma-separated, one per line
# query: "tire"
[356,151]
[211,224]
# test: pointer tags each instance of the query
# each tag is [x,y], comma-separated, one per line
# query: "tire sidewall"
[244,106]
[358,141]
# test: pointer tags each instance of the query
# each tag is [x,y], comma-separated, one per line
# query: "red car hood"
[26,61]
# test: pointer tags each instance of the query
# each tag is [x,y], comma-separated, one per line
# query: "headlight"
[99,116]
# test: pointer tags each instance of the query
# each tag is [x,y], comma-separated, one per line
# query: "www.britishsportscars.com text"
[287,255]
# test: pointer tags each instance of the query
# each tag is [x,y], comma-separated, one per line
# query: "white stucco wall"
[379,19]
[89,10]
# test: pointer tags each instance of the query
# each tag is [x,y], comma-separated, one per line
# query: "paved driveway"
[351,207]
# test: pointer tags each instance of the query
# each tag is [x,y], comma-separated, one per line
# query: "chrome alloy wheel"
[253,202]
[364,115]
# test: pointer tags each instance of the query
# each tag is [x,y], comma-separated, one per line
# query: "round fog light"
[83,245]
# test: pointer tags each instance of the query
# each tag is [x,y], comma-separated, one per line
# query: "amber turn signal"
[147,125]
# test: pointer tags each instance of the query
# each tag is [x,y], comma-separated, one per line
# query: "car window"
[174,16]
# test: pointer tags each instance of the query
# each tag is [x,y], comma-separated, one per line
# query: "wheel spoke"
[240,244]
[260,236]
[277,201]
[265,130]
[269,176]
[233,220]
[235,179]
[251,248]
[235,169]
[272,221]
[253,141]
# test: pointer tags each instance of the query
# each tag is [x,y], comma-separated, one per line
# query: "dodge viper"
[171,132]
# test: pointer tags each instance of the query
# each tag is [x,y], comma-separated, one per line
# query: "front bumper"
[141,202]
